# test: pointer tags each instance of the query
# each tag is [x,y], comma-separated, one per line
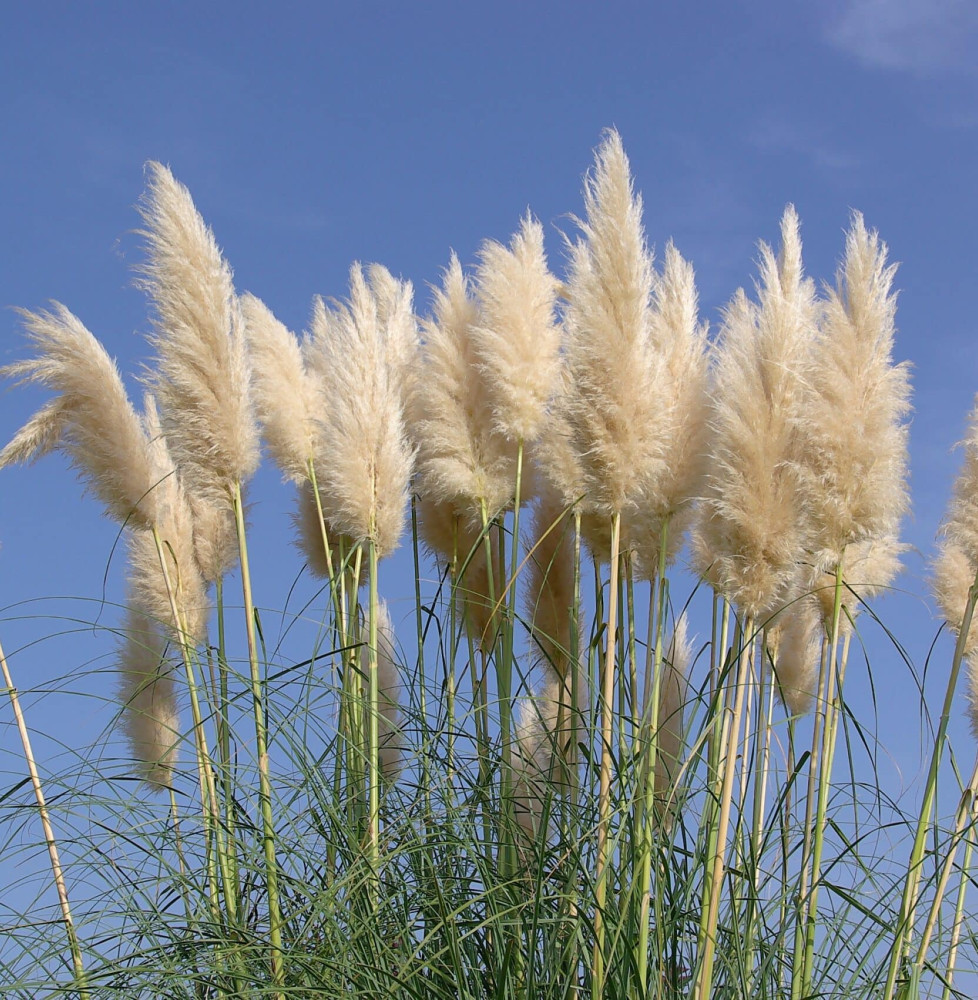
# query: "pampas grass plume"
[956,565]
[462,459]
[673,694]
[752,531]
[517,340]
[91,419]
[794,642]
[150,718]
[202,381]
[612,398]
[284,394]
[681,344]
[390,739]
[363,427]
[854,429]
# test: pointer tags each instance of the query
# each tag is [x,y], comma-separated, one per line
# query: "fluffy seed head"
[681,344]
[150,718]
[176,527]
[390,737]
[673,693]
[549,593]
[752,529]
[869,567]
[612,397]
[91,419]
[284,394]
[462,459]
[365,489]
[202,381]
[853,426]
[516,340]
[793,643]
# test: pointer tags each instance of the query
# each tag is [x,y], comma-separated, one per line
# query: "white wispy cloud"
[925,37]
[774,134]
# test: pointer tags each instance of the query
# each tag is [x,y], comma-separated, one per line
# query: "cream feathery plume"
[549,597]
[150,717]
[614,398]
[309,534]
[673,694]
[545,726]
[202,379]
[558,466]
[752,528]
[956,566]
[175,527]
[794,641]
[853,426]
[285,396]
[869,567]
[395,312]
[516,340]
[462,459]
[92,419]
[953,575]
[363,427]
[455,538]
[41,435]
[309,531]
[681,343]
[389,734]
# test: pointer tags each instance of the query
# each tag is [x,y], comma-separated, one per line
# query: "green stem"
[901,941]
[373,759]
[704,987]
[833,707]
[261,741]
[648,746]
[964,819]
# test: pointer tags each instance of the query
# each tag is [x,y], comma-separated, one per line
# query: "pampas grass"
[665,837]
[202,378]
[357,358]
[613,384]
[853,422]
[91,420]
[516,340]
[753,530]
[680,342]
[285,395]
[147,692]
[462,459]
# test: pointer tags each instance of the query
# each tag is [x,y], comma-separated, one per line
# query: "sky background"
[312,135]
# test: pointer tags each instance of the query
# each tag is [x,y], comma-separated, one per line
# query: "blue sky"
[312,135]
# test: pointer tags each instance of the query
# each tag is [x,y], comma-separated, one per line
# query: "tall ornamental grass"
[574,756]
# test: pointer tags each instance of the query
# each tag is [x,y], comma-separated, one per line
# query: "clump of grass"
[551,790]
